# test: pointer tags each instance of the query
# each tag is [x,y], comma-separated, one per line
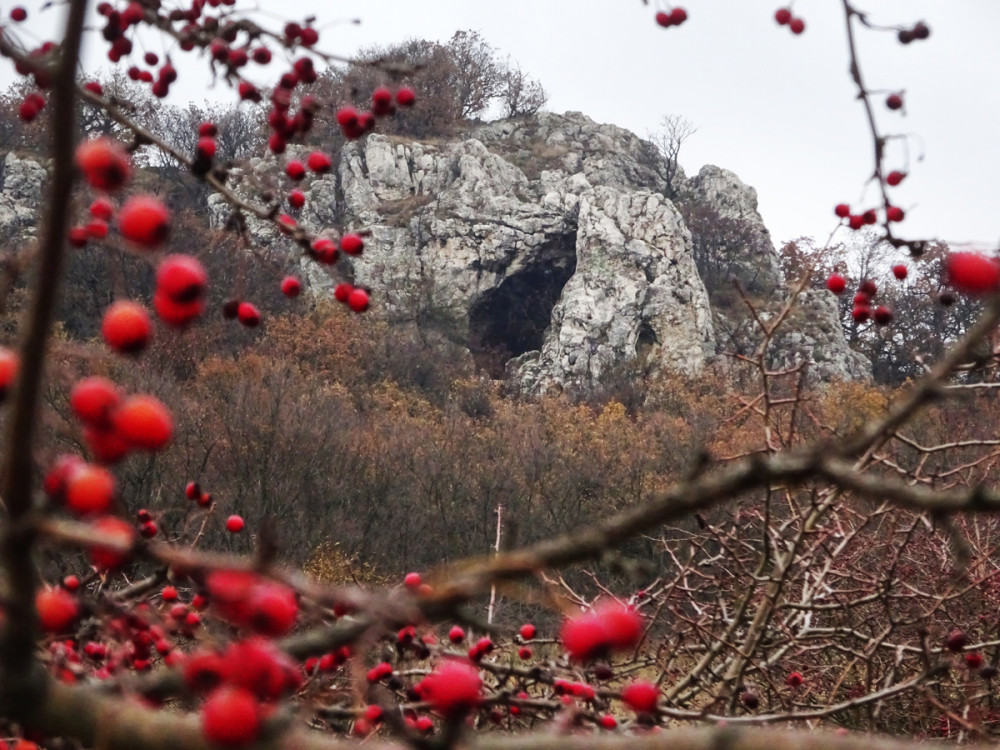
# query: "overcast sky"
[777,109]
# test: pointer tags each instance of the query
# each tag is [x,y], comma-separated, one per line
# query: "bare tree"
[674,130]
[522,95]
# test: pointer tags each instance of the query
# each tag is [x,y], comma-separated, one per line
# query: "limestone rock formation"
[546,242]
[21,182]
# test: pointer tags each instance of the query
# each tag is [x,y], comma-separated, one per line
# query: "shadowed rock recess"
[547,246]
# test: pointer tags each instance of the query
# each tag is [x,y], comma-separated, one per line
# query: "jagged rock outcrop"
[21,185]
[548,239]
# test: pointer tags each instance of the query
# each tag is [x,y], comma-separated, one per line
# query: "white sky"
[777,109]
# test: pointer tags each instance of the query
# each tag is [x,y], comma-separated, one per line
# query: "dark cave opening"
[512,318]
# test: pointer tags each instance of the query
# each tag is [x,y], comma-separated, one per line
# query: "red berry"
[797,25]
[182,278]
[295,170]
[126,327]
[18,14]
[899,271]
[956,640]
[272,609]
[783,16]
[972,273]
[177,314]
[842,210]
[973,660]
[856,222]
[870,217]
[836,283]
[751,699]
[894,101]
[405,97]
[453,689]
[352,244]
[861,314]
[206,148]
[894,177]
[325,251]
[318,162]
[169,594]
[678,16]
[868,288]
[78,236]
[117,531]
[192,491]
[102,209]
[358,300]
[144,422]
[882,315]
[641,696]
[291,286]
[107,446]
[794,680]
[381,101]
[456,634]
[234,524]
[608,721]
[663,19]
[527,631]
[524,653]
[89,490]
[71,583]
[894,213]
[412,580]
[145,221]
[57,609]
[231,717]
[93,399]
[296,199]
[261,55]
[248,315]
[148,529]
[104,163]
[610,627]
[342,292]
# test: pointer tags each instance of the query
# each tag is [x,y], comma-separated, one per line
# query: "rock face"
[21,184]
[545,243]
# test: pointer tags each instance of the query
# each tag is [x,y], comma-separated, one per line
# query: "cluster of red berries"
[354,124]
[862,311]
[32,104]
[784,17]
[919,31]
[193,491]
[870,217]
[246,600]
[675,17]
[354,297]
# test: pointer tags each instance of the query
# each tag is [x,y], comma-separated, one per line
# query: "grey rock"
[21,184]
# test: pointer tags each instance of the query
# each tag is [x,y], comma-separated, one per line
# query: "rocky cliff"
[549,242]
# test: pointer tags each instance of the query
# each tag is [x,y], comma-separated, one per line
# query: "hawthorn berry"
[607,721]
[855,221]
[145,221]
[176,314]
[18,14]
[836,283]
[291,286]
[96,229]
[405,97]
[101,208]
[381,101]
[295,170]
[783,16]
[797,25]
[126,327]
[104,162]
[610,627]
[894,213]
[870,217]
[524,653]
[794,679]
[10,364]
[248,315]
[148,529]
[861,313]
[453,689]
[527,631]
[973,660]
[144,422]
[842,210]
[456,634]
[894,101]
[972,273]
[169,594]
[663,19]
[89,490]
[751,699]
[412,580]
[296,198]
[352,244]
[231,717]
[113,530]
[192,491]
[342,292]
[956,640]
[57,609]
[235,524]
[894,177]
[182,278]
[358,300]
[71,583]
[899,271]
[678,16]
[318,162]
[641,696]
[78,236]
[882,315]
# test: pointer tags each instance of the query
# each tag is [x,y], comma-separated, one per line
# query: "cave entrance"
[512,318]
